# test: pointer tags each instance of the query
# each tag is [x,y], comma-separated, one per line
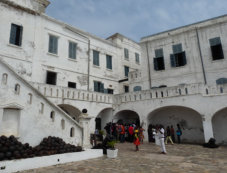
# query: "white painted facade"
[197,105]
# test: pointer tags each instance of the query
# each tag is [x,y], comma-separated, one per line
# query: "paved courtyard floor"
[180,158]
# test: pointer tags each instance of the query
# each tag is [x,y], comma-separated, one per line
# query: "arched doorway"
[219,122]
[71,110]
[189,120]
[104,117]
[127,117]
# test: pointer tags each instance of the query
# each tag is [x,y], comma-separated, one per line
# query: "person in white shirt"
[161,132]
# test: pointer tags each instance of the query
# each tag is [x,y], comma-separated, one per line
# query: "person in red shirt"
[130,131]
[121,131]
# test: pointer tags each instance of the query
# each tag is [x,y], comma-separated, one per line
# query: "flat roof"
[185,26]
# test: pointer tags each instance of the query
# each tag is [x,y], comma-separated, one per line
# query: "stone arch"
[71,110]
[189,120]
[127,116]
[219,121]
[105,116]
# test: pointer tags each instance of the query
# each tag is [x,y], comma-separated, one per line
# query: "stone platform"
[180,158]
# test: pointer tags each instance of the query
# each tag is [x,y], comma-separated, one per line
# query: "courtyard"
[180,158]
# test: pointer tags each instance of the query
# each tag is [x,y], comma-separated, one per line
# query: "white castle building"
[51,71]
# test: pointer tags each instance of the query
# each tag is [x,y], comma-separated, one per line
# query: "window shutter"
[177,48]
[184,58]
[221,51]
[172,60]
[106,91]
[21,32]
[109,62]
[13,34]
[74,50]
[155,64]
[215,41]
[50,44]
[97,59]
[70,48]
[55,45]
[158,53]
[102,87]
[95,86]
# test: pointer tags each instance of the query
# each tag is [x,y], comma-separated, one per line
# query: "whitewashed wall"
[34,124]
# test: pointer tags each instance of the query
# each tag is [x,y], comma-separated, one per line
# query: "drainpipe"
[201,57]
[88,64]
[148,64]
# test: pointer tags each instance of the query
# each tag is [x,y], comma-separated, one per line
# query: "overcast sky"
[133,18]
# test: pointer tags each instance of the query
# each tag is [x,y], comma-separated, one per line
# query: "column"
[84,121]
[207,128]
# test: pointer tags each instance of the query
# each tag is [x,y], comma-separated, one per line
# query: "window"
[95,57]
[109,62]
[63,124]
[126,53]
[216,48]
[30,98]
[221,81]
[126,88]
[98,87]
[137,58]
[110,91]
[159,60]
[52,116]
[137,88]
[4,78]
[71,85]
[51,78]
[178,58]
[72,132]
[72,50]
[126,70]
[41,108]
[53,44]
[16,35]
[17,89]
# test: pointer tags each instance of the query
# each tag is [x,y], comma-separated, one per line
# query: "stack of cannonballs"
[11,148]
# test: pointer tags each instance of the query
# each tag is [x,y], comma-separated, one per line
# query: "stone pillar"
[84,121]
[207,128]
[144,124]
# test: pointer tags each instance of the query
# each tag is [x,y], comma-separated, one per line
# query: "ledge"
[45,161]
[14,46]
[52,54]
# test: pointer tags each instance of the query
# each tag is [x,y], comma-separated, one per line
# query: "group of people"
[126,132]
[134,133]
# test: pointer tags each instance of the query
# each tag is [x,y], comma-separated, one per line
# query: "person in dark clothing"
[168,135]
[108,128]
[172,133]
[179,133]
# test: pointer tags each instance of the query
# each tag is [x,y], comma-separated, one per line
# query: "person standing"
[168,135]
[130,131]
[179,133]
[136,138]
[172,133]
[161,132]
[141,136]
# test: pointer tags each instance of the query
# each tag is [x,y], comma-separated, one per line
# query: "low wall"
[45,161]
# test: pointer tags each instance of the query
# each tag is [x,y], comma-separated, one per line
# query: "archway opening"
[190,122]
[127,117]
[104,117]
[71,110]
[219,122]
